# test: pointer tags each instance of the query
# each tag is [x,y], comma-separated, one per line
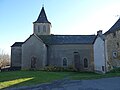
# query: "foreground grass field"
[26,78]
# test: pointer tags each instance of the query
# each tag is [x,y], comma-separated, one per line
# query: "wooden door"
[33,62]
[77,61]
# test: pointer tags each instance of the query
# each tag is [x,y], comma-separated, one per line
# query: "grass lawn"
[26,78]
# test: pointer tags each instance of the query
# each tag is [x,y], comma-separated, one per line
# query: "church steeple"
[42,25]
[42,18]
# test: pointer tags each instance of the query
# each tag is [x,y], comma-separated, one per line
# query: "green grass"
[26,78]
[81,76]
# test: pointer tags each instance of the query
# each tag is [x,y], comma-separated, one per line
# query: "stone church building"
[96,53]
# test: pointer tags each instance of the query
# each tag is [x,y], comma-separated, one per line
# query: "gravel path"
[66,84]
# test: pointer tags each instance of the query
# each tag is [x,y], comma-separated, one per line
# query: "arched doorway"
[33,62]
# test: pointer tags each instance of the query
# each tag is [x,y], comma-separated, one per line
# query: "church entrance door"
[77,61]
[33,62]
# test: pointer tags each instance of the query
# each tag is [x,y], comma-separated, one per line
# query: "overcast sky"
[80,17]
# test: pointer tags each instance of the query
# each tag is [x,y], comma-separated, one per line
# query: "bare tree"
[4,59]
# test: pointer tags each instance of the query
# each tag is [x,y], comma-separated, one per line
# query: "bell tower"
[42,26]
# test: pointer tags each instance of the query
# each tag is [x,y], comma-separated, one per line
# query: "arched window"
[64,62]
[44,28]
[38,29]
[85,63]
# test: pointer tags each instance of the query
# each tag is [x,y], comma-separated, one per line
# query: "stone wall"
[16,56]
[113,49]
[33,49]
[56,53]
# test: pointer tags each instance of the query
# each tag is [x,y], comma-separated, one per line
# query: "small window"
[103,68]
[114,54]
[44,28]
[85,63]
[117,44]
[76,53]
[114,34]
[64,62]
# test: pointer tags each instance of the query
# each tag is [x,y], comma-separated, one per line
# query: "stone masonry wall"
[33,48]
[16,56]
[58,52]
[113,49]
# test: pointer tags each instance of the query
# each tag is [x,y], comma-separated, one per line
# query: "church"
[95,53]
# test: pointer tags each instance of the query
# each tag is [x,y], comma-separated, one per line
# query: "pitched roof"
[114,28]
[17,44]
[42,18]
[67,39]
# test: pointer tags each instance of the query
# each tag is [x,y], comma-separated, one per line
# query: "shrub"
[58,69]
[117,69]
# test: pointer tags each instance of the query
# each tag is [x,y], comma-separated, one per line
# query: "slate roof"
[42,18]
[114,28]
[67,39]
[17,44]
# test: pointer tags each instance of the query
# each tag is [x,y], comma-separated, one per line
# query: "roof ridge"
[67,35]
[67,39]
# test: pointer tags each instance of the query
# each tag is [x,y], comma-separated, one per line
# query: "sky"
[71,17]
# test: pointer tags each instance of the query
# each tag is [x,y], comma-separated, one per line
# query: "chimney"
[99,32]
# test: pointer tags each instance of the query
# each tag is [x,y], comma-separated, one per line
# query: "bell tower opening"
[42,26]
